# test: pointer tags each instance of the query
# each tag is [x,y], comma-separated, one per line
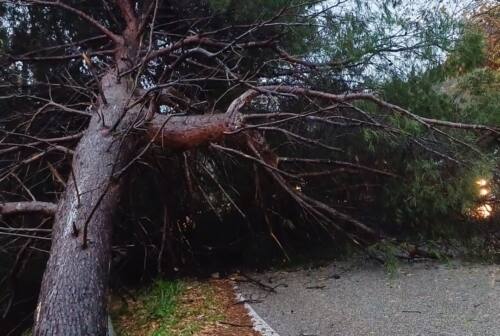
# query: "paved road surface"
[360,298]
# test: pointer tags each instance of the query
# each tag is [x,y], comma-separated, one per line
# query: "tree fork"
[73,297]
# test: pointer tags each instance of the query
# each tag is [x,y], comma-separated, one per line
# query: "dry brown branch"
[259,148]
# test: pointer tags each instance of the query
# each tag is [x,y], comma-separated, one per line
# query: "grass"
[167,308]
[386,251]
[162,298]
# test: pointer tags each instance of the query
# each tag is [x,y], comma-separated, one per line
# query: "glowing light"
[298,188]
[483,191]
[481,182]
[484,211]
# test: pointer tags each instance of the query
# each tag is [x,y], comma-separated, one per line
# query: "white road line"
[258,323]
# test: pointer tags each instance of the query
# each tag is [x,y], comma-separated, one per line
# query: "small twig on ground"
[315,287]
[236,324]
[260,284]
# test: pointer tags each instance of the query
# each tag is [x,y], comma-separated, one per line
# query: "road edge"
[258,322]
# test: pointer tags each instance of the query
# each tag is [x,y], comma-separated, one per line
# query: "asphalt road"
[360,298]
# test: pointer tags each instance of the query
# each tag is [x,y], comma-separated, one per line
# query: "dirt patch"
[236,321]
[193,308]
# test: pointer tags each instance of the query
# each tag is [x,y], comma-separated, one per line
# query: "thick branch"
[128,14]
[183,132]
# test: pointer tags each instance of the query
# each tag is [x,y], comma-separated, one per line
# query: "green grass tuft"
[161,299]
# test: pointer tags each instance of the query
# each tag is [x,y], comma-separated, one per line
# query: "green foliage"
[386,251]
[421,93]
[296,38]
[458,90]
[251,10]
[409,126]
[371,138]
[434,197]
[478,95]
[469,53]
[437,194]
[383,37]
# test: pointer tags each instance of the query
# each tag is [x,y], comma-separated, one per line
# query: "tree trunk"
[74,288]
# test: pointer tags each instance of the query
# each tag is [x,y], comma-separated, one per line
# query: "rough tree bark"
[74,288]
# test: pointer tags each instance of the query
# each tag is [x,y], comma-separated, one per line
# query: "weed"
[386,251]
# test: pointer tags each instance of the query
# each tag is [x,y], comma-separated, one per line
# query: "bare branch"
[59,57]
[336,163]
[115,38]
[305,201]
[19,208]
[205,41]
[31,52]
[252,158]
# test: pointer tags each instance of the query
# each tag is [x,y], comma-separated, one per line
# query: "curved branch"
[205,41]
[114,37]
[250,94]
